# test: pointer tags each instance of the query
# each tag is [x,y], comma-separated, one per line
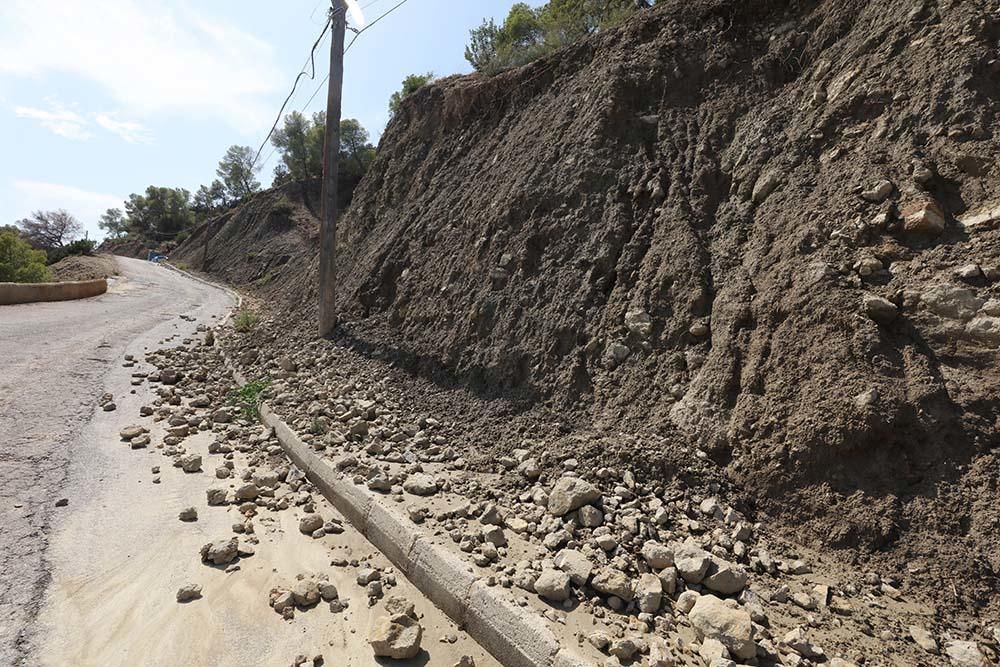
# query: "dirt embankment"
[82,267]
[125,248]
[764,229]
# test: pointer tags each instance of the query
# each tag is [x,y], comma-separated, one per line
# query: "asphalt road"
[54,361]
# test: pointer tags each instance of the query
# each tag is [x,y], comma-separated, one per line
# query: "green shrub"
[19,262]
[529,33]
[78,247]
[282,207]
[411,84]
[249,397]
[246,321]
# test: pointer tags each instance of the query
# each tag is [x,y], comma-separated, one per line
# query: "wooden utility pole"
[331,155]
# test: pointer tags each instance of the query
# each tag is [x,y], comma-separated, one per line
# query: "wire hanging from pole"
[312,75]
[357,34]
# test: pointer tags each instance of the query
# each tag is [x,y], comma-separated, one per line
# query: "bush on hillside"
[19,262]
[282,207]
[529,33]
[78,247]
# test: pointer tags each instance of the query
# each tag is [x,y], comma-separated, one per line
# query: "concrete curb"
[233,293]
[514,636]
[15,293]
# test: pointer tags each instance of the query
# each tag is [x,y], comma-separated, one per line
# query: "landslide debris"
[764,232]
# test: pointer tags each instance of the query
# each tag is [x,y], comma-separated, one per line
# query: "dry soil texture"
[802,199]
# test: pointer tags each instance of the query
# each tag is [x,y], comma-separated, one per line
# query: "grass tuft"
[246,321]
[249,397]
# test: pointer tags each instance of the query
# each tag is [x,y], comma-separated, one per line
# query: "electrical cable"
[357,33]
[312,75]
[372,24]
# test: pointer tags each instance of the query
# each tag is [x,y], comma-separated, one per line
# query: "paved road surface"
[93,583]
[54,358]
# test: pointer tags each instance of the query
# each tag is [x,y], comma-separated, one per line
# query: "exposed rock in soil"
[669,252]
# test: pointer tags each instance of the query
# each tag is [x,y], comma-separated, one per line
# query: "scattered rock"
[725,577]
[217,496]
[397,637]
[190,463]
[616,354]
[140,441]
[188,514]
[610,581]
[713,618]
[306,593]
[657,556]
[686,601]
[169,376]
[692,562]
[188,592]
[969,272]
[590,516]
[797,641]
[265,478]
[130,432]
[765,185]
[639,323]
[220,552]
[553,585]
[328,591]
[247,492]
[985,330]
[310,523]
[420,484]
[649,593]
[201,401]
[571,493]
[958,303]
[575,564]
[624,649]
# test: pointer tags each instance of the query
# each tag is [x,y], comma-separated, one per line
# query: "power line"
[372,24]
[312,75]
[351,43]
[357,34]
[315,92]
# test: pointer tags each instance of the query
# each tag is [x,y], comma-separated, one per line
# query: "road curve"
[54,358]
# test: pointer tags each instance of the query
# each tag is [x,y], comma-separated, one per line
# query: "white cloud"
[57,119]
[151,57]
[85,205]
[131,131]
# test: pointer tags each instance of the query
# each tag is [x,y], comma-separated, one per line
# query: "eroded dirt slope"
[765,229]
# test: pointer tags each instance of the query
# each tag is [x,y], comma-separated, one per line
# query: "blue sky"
[101,98]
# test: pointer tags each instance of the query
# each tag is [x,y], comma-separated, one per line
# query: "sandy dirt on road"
[55,361]
[121,554]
